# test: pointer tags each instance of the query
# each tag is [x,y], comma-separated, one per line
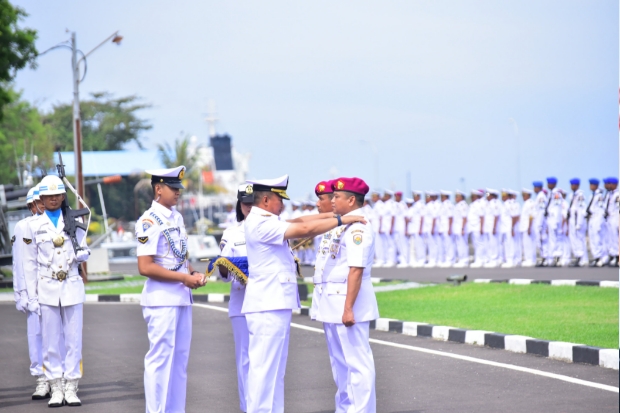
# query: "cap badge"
[249,189]
[53,187]
[340,185]
[182,174]
[321,188]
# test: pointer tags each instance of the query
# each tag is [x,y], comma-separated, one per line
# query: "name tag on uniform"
[239,243]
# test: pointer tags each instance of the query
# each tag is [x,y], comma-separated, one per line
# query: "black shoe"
[573,262]
[593,262]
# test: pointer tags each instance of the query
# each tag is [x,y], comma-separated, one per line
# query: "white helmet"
[30,195]
[36,196]
[51,185]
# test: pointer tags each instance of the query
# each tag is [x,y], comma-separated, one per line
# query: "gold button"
[60,266]
[58,252]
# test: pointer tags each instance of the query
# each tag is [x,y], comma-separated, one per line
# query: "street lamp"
[77,127]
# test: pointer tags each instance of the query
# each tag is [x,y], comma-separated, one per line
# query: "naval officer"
[348,302]
[166,297]
[56,291]
[271,293]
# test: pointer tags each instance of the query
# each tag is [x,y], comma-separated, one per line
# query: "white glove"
[23,300]
[82,256]
[19,303]
[34,306]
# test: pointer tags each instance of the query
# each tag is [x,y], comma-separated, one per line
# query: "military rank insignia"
[357,239]
[143,240]
[27,241]
[13,240]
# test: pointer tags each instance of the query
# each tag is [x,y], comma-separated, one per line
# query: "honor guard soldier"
[387,228]
[399,230]
[430,229]
[459,230]
[347,301]
[418,257]
[377,207]
[271,293]
[166,297]
[526,228]
[577,225]
[446,218]
[539,221]
[33,325]
[612,206]
[475,219]
[56,290]
[595,213]
[491,228]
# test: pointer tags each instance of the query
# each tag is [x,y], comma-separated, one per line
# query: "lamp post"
[77,127]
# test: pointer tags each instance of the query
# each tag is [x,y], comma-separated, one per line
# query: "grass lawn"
[584,315]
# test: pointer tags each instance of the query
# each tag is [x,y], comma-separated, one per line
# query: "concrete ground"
[408,380]
[438,275]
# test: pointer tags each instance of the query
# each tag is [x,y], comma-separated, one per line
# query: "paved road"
[438,275]
[407,381]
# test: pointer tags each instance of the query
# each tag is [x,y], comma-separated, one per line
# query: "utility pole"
[77,126]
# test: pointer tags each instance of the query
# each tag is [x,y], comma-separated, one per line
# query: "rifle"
[69,215]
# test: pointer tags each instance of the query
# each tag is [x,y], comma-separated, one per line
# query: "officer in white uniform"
[429,229]
[508,221]
[475,218]
[554,219]
[232,244]
[446,219]
[166,297]
[539,226]
[380,250]
[527,229]
[611,217]
[33,325]
[595,212]
[399,231]
[515,214]
[408,236]
[388,213]
[271,293]
[348,303]
[491,228]
[577,225]
[231,217]
[418,257]
[56,291]
[459,230]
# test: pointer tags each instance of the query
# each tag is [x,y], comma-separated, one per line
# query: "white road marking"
[457,356]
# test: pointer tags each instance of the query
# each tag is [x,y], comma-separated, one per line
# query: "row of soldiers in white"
[548,229]
[50,290]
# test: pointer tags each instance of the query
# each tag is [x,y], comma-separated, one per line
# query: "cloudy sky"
[453,94]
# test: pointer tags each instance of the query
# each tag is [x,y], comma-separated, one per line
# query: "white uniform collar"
[357,211]
[161,209]
[262,212]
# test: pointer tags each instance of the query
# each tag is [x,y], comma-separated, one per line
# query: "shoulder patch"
[357,239]
[146,224]
[28,241]
[143,240]
[13,240]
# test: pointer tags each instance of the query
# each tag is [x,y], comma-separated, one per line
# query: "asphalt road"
[438,275]
[407,380]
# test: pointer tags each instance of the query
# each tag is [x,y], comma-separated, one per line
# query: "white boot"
[58,396]
[71,389]
[43,389]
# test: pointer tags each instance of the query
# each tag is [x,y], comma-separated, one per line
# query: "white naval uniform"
[349,350]
[492,211]
[33,322]
[61,302]
[509,209]
[596,224]
[430,241]
[459,232]
[612,212]
[387,238]
[446,212]
[528,235]
[474,226]
[400,228]
[554,222]
[233,245]
[167,310]
[577,226]
[270,296]
[417,255]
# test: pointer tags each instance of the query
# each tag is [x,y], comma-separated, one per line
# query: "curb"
[526,281]
[374,280]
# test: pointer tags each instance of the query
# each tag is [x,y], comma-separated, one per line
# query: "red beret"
[323,187]
[398,193]
[355,185]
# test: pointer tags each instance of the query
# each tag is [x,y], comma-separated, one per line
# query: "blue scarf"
[54,216]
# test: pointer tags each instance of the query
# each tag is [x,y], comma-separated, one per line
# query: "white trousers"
[353,367]
[389,248]
[402,247]
[556,246]
[379,248]
[462,250]
[492,247]
[596,234]
[612,237]
[35,343]
[507,244]
[431,247]
[577,239]
[447,242]
[480,253]
[529,246]
[56,322]
[419,249]
[242,341]
[268,351]
[165,364]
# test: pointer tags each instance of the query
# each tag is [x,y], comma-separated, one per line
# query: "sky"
[453,94]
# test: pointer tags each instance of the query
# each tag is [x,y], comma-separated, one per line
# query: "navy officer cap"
[575,181]
[594,181]
[171,177]
[552,180]
[277,185]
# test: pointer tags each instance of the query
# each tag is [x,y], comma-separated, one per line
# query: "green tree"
[16,48]
[22,133]
[108,123]
[181,155]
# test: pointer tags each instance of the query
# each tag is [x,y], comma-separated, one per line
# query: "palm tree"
[180,155]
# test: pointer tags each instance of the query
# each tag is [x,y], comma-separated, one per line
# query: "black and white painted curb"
[558,350]
[374,280]
[526,281]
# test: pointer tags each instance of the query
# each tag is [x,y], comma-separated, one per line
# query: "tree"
[107,123]
[22,133]
[180,155]
[16,48]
